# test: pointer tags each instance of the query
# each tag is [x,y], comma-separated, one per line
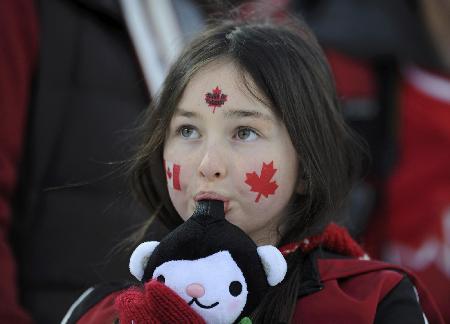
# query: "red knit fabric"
[131,306]
[335,238]
[156,304]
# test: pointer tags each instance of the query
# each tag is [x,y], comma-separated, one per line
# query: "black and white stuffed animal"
[211,264]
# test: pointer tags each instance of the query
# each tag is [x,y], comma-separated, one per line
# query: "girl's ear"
[139,258]
[274,264]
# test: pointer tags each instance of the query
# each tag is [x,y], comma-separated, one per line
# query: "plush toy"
[206,263]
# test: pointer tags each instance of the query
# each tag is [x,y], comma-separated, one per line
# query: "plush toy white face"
[214,286]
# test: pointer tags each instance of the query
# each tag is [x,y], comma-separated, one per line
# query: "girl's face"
[224,144]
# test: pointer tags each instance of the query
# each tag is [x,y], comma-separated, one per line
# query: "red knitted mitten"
[157,304]
[132,308]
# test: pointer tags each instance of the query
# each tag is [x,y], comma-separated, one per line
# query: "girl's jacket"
[337,287]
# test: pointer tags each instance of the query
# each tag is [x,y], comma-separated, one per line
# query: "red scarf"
[335,238]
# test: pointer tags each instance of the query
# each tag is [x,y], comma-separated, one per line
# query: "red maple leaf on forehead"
[216,98]
[262,184]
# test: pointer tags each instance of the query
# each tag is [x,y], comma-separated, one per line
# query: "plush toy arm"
[156,304]
[274,264]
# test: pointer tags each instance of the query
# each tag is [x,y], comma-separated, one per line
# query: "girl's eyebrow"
[186,113]
[230,114]
[247,113]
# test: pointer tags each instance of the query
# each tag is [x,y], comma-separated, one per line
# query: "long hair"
[289,69]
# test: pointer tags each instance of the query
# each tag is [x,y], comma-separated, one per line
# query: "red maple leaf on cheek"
[262,184]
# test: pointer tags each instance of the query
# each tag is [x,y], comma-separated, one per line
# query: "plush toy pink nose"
[195,290]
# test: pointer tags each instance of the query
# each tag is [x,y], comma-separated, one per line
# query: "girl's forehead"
[220,86]
[224,71]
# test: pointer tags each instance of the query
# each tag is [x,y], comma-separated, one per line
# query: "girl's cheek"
[178,178]
[173,175]
[260,182]
[178,174]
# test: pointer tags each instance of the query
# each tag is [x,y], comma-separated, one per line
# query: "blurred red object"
[18,52]
[418,205]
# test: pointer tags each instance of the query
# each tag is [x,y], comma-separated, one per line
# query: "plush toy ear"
[139,258]
[274,264]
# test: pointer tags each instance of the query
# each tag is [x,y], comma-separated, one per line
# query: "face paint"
[262,184]
[216,98]
[172,175]
[230,155]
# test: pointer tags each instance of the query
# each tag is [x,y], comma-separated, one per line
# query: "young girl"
[248,115]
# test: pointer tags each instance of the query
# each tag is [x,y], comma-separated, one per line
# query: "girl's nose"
[212,166]
[195,290]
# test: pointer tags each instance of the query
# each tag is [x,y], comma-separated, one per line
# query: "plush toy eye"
[161,279]
[235,288]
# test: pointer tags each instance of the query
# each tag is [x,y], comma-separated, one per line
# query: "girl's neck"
[266,236]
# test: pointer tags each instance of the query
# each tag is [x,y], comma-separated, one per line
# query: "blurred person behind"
[18,54]
[88,88]
[391,61]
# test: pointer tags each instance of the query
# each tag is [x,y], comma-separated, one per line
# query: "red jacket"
[353,290]
[338,290]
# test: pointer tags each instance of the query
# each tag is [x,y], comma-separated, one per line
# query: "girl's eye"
[246,134]
[188,132]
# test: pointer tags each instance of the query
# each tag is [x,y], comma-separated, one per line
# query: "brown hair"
[288,67]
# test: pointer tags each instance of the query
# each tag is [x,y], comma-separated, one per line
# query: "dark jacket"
[73,205]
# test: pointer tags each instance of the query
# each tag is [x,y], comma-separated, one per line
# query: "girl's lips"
[213,196]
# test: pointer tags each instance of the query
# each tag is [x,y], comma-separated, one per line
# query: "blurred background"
[75,75]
